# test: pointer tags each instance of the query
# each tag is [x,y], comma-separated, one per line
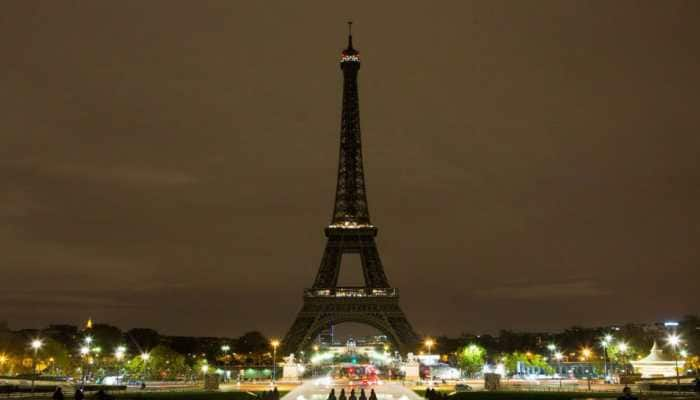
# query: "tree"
[527,360]
[142,339]
[471,358]
[108,337]
[54,358]
[622,353]
[252,342]
[162,363]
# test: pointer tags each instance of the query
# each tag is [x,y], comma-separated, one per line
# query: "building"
[657,364]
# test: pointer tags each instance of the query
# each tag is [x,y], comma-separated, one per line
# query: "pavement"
[316,390]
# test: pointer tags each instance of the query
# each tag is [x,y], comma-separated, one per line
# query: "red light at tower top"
[350,54]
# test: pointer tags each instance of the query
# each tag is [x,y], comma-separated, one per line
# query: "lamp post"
[674,340]
[144,357]
[623,348]
[205,369]
[274,343]
[552,348]
[224,349]
[313,364]
[36,345]
[119,353]
[586,353]
[429,344]
[3,360]
[605,342]
[558,356]
[85,352]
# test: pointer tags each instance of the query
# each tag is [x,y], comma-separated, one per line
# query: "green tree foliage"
[471,358]
[527,359]
[163,363]
[108,337]
[617,355]
[54,358]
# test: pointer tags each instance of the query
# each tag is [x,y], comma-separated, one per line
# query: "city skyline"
[530,168]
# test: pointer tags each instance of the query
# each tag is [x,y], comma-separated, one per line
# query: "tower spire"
[350,198]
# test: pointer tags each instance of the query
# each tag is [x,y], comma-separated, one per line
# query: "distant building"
[325,338]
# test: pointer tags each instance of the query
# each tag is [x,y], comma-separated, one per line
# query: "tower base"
[378,308]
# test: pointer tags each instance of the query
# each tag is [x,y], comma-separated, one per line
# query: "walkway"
[388,391]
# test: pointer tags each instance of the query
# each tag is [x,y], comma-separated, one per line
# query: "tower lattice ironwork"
[350,231]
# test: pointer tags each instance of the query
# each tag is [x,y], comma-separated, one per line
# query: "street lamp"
[622,347]
[145,357]
[552,348]
[429,344]
[3,360]
[224,349]
[274,343]
[586,353]
[558,356]
[674,341]
[119,352]
[605,342]
[35,345]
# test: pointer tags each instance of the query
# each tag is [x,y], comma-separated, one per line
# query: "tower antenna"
[349,34]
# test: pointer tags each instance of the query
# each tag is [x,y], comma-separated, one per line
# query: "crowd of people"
[352,396]
[270,395]
[432,394]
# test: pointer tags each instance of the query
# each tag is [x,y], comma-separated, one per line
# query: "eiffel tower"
[376,303]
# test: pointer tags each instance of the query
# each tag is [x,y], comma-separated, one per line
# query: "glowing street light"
[551,347]
[35,345]
[87,340]
[119,353]
[586,353]
[623,347]
[205,368]
[558,356]
[605,342]
[674,341]
[274,343]
[225,348]
[84,350]
[145,357]
[684,353]
[429,344]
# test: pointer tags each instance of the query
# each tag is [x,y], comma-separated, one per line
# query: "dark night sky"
[171,164]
